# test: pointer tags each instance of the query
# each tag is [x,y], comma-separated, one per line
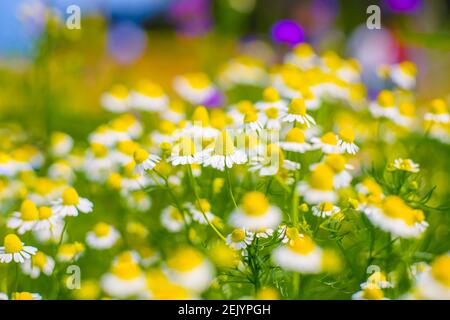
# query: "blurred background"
[46,66]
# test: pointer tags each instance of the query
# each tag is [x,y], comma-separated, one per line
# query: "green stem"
[296,285]
[230,188]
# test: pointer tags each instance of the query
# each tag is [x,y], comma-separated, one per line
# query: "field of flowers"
[255,181]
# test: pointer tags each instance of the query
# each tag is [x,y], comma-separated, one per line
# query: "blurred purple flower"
[215,100]
[191,17]
[404,5]
[288,32]
[126,42]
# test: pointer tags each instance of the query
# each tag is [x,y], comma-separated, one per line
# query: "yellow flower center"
[149,89]
[45,213]
[12,244]
[115,180]
[57,137]
[200,116]
[386,98]
[185,259]
[102,229]
[70,249]
[272,113]
[203,205]
[302,244]
[372,293]
[39,260]
[29,211]
[406,165]
[126,270]
[140,155]
[255,203]
[295,135]
[271,95]
[395,207]
[347,135]
[440,269]
[321,178]
[336,162]
[224,145]
[326,206]
[245,107]
[198,80]
[237,235]
[303,50]
[292,233]
[175,214]
[409,68]
[407,109]
[127,147]
[167,127]
[22,296]
[329,138]
[99,150]
[250,116]
[119,91]
[438,106]
[70,197]
[187,146]
[297,107]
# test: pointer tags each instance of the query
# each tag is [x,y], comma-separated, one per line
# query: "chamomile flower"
[271,162]
[239,239]
[25,219]
[301,254]
[325,209]
[47,220]
[271,99]
[251,123]
[61,171]
[328,143]
[223,154]
[190,269]
[148,96]
[172,219]
[385,106]
[38,263]
[103,236]
[434,283]
[346,141]
[116,100]
[270,119]
[60,143]
[25,296]
[184,152]
[144,161]
[295,141]
[395,216]
[243,70]
[406,115]
[438,112]
[404,75]
[14,250]
[139,200]
[195,88]
[201,211]
[70,252]
[342,177]
[319,186]
[255,213]
[70,204]
[377,279]
[200,126]
[125,278]
[98,164]
[302,56]
[297,113]
[369,293]
[405,165]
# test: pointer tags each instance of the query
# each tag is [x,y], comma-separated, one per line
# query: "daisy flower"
[271,118]
[346,141]
[200,126]
[406,115]
[14,250]
[190,269]
[223,154]
[325,209]
[301,254]
[271,162]
[297,113]
[116,100]
[434,283]
[70,252]
[38,263]
[172,219]
[271,99]
[195,88]
[395,216]
[239,239]
[369,293]
[25,296]
[404,75]
[184,152]
[255,213]
[70,204]
[252,123]
[438,112]
[25,219]
[125,278]
[98,164]
[144,161]
[201,209]
[377,279]
[139,200]
[328,143]
[342,178]
[148,96]
[60,144]
[385,105]
[302,56]
[319,187]
[7,167]
[404,165]
[103,236]
[61,171]
[47,220]
[243,70]
[295,141]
